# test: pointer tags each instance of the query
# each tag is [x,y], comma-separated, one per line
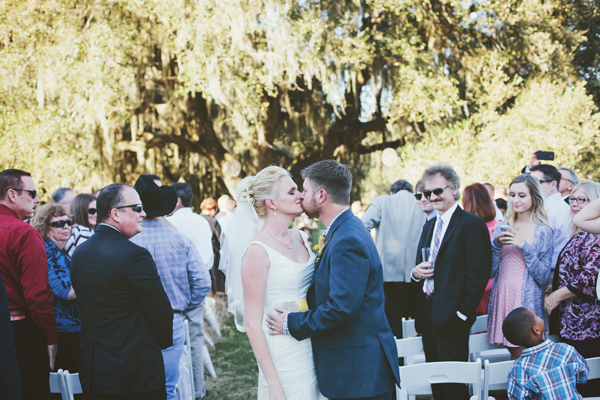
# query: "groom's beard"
[311,209]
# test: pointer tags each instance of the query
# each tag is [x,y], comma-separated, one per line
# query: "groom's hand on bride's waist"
[277,323]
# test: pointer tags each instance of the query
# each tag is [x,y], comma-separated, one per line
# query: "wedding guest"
[476,200]
[208,209]
[23,268]
[222,206]
[502,205]
[63,196]
[10,379]
[83,211]
[522,248]
[401,185]
[492,192]
[307,225]
[423,202]
[180,267]
[54,225]
[567,182]
[574,288]
[229,206]
[559,214]
[546,370]
[197,229]
[357,208]
[397,249]
[126,316]
[453,280]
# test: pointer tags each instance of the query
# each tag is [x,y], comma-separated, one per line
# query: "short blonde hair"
[43,216]
[591,189]
[256,189]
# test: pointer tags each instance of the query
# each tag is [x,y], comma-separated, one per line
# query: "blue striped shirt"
[547,371]
[179,265]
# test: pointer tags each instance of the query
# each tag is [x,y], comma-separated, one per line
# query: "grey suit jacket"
[399,221]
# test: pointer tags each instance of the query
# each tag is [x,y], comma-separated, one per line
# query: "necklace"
[287,246]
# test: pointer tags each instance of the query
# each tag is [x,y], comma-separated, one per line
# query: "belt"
[177,312]
[17,315]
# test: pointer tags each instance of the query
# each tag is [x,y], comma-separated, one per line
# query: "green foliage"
[93,92]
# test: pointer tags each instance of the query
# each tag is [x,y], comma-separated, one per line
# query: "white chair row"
[65,383]
[408,326]
[417,379]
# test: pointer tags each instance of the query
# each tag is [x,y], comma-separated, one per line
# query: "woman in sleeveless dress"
[267,266]
[522,249]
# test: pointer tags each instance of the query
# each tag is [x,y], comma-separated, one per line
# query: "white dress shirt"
[197,229]
[432,214]
[561,222]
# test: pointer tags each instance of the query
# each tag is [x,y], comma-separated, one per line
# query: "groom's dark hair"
[332,176]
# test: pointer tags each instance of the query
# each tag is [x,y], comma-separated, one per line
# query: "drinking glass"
[426,254]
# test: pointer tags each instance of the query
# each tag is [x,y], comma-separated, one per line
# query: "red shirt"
[24,270]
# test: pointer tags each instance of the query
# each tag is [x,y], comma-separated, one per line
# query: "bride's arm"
[255,268]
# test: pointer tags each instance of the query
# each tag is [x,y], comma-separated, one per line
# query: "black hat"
[157,200]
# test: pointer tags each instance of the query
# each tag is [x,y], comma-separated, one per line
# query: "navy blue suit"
[354,349]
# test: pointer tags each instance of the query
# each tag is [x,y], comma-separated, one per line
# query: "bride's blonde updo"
[256,189]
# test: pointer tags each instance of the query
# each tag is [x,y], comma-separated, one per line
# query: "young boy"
[545,370]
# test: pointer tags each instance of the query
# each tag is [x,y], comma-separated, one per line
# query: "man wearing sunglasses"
[454,277]
[424,204]
[126,316]
[23,267]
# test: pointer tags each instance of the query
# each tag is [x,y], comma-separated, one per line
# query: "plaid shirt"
[179,265]
[547,371]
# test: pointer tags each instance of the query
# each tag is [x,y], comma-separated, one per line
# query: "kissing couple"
[316,324]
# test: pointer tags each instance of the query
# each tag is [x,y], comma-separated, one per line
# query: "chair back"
[57,384]
[408,328]
[594,366]
[417,379]
[479,347]
[72,384]
[495,376]
[480,324]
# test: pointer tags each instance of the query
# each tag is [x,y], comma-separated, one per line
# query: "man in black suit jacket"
[126,316]
[450,291]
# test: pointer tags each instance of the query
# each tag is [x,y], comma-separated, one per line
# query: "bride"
[267,266]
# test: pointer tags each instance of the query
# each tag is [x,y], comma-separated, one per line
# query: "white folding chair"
[417,379]
[188,346]
[479,347]
[408,328]
[594,366]
[480,324]
[72,384]
[495,376]
[57,384]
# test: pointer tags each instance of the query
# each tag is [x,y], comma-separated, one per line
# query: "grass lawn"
[237,372]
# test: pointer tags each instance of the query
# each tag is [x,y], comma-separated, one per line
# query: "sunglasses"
[418,196]
[138,208]
[92,211]
[61,223]
[32,193]
[545,181]
[437,192]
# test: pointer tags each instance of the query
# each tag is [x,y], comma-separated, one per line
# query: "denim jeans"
[172,355]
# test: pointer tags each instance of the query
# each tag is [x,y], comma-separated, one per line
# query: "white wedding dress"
[288,282]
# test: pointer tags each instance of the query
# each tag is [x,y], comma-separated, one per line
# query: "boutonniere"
[322,245]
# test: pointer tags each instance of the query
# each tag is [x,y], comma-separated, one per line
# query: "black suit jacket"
[462,268]
[126,316]
[10,379]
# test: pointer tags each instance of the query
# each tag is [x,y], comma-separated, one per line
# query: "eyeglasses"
[418,196]
[61,223]
[32,193]
[138,208]
[92,211]
[545,181]
[437,192]
[578,200]
[567,179]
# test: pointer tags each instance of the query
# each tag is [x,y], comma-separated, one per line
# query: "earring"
[275,211]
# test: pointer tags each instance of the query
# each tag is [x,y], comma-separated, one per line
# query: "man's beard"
[311,209]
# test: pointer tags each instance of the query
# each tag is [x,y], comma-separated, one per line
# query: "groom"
[354,349]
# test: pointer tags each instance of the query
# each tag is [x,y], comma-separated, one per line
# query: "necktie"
[437,238]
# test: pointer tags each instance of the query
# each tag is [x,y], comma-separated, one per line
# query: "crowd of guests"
[532,253]
[77,293]
[139,258]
